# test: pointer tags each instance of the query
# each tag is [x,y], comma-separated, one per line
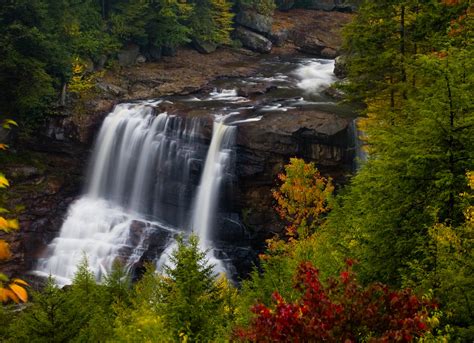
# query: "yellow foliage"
[303,197]
[19,291]
[7,123]
[4,250]
[8,224]
[15,290]
[3,181]
[82,81]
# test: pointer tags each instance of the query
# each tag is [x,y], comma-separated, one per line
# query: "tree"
[211,21]
[192,296]
[303,198]
[419,149]
[448,269]
[187,303]
[303,202]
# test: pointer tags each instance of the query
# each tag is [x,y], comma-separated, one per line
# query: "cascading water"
[140,184]
[217,160]
[153,176]
[216,169]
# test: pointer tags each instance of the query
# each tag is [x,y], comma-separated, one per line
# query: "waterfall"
[216,168]
[143,177]
[217,160]
[360,154]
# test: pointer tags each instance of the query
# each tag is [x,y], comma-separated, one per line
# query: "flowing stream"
[153,175]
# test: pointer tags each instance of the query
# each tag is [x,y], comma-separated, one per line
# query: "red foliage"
[341,311]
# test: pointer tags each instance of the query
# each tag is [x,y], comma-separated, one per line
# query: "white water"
[217,160]
[315,75]
[139,185]
[143,174]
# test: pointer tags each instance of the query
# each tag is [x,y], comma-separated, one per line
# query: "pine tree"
[48,319]
[211,21]
[420,144]
[192,297]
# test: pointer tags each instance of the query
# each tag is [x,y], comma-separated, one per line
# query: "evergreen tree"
[419,136]
[192,297]
[211,21]
[48,319]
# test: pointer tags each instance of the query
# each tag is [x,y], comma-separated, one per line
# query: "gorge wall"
[54,175]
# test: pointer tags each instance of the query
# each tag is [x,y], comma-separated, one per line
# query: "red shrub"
[341,311]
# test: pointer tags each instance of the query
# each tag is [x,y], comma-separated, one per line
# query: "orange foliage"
[303,197]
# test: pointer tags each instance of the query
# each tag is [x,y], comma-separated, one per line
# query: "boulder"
[279,37]
[340,67]
[255,21]
[255,89]
[328,52]
[128,55]
[204,47]
[345,6]
[110,89]
[310,44]
[253,41]
[141,59]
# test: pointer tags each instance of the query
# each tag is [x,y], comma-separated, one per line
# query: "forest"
[385,255]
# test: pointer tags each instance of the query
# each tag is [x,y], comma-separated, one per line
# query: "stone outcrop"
[255,21]
[340,67]
[324,5]
[204,47]
[264,147]
[128,55]
[253,41]
[43,185]
[312,32]
[47,188]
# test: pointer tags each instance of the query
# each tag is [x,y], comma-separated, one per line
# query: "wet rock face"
[42,190]
[265,147]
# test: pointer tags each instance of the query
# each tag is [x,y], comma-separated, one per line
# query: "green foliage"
[264,7]
[191,293]
[187,304]
[40,40]
[211,21]
[82,312]
[448,269]
[47,319]
[411,64]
